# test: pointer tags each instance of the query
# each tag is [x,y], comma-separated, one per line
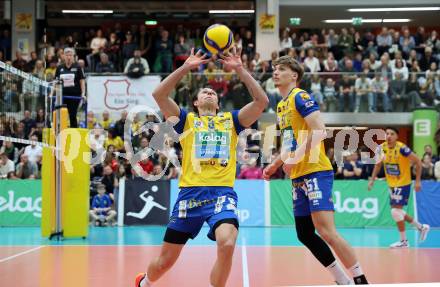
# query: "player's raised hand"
[232,59]
[195,60]
[268,171]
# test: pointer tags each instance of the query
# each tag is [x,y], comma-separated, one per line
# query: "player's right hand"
[195,60]
[268,171]
[370,185]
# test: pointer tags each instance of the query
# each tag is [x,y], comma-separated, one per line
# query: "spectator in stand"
[363,88]
[128,48]
[182,50]
[164,57]
[137,66]
[380,90]
[248,44]
[119,125]
[91,121]
[358,43]
[384,68]
[428,151]
[427,168]
[28,122]
[113,51]
[145,43]
[251,171]
[345,41]
[31,64]
[106,122]
[407,42]
[437,171]
[114,140]
[400,69]
[6,165]
[331,66]
[426,59]
[272,93]
[26,169]
[316,89]
[352,167]
[398,93]
[346,94]
[286,41]
[311,62]
[105,66]
[433,41]
[384,41]
[97,45]
[110,181]
[10,151]
[330,96]
[101,212]
[19,62]
[374,63]
[33,151]
[412,91]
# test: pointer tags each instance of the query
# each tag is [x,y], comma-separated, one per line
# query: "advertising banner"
[20,202]
[251,202]
[355,206]
[428,203]
[424,126]
[146,202]
[117,93]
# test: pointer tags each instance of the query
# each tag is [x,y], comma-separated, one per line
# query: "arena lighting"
[393,9]
[231,11]
[87,11]
[368,20]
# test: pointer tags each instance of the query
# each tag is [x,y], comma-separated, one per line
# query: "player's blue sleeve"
[405,151]
[237,125]
[182,119]
[305,104]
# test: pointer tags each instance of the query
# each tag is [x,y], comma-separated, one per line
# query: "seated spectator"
[28,122]
[106,122]
[346,94]
[105,66]
[113,50]
[26,169]
[110,181]
[363,88]
[352,167]
[33,151]
[128,48]
[380,90]
[412,92]
[114,140]
[426,59]
[427,168]
[251,171]
[10,150]
[437,171]
[316,89]
[329,93]
[164,49]
[137,66]
[19,62]
[91,121]
[400,68]
[407,42]
[272,93]
[101,212]
[311,62]
[6,166]
[97,45]
[374,63]
[398,93]
[119,125]
[384,41]
[428,150]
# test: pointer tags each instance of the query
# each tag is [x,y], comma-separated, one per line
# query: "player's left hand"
[417,186]
[232,59]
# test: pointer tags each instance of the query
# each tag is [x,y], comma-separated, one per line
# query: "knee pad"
[398,214]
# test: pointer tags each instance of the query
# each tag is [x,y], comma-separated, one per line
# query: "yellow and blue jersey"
[291,112]
[397,165]
[209,148]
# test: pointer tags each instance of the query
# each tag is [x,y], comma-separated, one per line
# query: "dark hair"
[393,129]
[293,64]
[195,98]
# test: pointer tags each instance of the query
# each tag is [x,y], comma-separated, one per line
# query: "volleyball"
[218,38]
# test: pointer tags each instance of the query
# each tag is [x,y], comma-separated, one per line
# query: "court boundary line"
[21,253]
[244,263]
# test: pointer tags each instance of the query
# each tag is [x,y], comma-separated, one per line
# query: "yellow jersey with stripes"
[397,165]
[291,112]
[209,148]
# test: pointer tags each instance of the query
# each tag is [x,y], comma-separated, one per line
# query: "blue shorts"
[400,195]
[195,205]
[312,192]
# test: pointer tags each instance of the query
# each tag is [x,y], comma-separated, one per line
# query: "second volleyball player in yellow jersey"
[209,141]
[396,158]
[303,130]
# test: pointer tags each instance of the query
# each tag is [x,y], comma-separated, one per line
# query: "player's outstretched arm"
[252,111]
[161,94]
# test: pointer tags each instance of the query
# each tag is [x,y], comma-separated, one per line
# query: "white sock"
[416,224]
[145,282]
[338,273]
[356,270]
[402,235]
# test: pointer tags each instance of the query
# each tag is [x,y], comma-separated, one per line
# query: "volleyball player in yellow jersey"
[397,158]
[303,157]
[208,169]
